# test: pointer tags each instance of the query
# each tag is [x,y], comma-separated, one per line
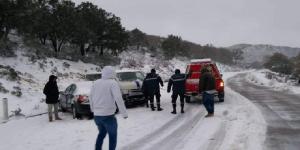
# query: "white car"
[75,97]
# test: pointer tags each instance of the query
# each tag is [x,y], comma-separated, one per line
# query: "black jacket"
[51,92]
[207,82]
[178,83]
[151,84]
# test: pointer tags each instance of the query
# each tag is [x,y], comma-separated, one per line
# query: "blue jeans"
[106,124]
[208,102]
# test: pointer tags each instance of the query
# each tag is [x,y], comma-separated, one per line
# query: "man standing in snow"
[178,82]
[104,96]
[151,88]
[52,94]
[208,88]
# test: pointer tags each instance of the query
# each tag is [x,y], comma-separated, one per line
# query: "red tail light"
[221,84]
[82,98]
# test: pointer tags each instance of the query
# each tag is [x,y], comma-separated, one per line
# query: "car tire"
[75,113]
[187,99]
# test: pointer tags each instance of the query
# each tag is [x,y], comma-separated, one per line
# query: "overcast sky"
[219,22]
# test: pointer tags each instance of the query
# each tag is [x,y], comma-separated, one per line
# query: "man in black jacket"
[151,88]
[208,88]
[52,94]
[178,82]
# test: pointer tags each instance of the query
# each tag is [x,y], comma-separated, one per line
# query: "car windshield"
[130,76]
[93,77]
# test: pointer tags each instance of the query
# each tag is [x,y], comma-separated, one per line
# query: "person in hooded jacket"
[151,88]
[104,96]
[207,86]
[52,94]
[177,83]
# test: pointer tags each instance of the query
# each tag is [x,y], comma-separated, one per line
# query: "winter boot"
[174,109]
[182,108]
[50,119]
[159,108]
[152,107]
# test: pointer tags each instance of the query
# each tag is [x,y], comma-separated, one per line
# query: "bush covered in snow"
[9,73]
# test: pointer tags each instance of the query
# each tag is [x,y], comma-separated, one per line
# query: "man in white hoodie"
[105,94]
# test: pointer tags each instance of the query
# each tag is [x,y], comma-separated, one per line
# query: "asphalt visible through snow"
[280,109]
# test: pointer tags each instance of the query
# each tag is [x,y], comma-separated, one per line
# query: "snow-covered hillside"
[273,80]
[257,53]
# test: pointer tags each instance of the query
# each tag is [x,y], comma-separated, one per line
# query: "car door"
[63,98]
[70,96]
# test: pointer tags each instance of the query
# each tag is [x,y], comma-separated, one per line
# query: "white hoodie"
[106,93]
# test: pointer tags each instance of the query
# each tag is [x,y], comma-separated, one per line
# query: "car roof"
[205,60]
[117,71]
[127,70]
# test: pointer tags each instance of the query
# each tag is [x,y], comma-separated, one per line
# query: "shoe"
[159,109]
[153,109]
[182,111]
[50,119]
[209,115]
[173,112]
[57,118]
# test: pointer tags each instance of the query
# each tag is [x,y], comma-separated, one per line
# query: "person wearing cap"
[207,87]
[177,83]
[104,96]
[151,88]
[52,94]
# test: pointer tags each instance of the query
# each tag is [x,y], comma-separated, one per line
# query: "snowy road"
[237,124]
[280,110]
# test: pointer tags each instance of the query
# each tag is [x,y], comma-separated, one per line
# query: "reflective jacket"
[151,84]
[177,83]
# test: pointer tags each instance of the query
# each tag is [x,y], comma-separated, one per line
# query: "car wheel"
[187,99]
[76,115]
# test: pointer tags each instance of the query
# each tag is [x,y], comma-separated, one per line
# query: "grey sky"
[219,22]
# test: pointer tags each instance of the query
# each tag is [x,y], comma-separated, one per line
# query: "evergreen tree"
[279,63]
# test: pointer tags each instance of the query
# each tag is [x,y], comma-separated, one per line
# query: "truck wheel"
[187,99]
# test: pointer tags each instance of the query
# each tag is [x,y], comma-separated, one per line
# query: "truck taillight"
[221,84]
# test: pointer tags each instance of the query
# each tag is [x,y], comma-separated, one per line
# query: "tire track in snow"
[171,132]
[175,138]
[220,136]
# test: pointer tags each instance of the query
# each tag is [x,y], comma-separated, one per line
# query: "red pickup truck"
[193,72]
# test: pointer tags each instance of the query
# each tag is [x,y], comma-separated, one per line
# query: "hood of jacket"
[108,72]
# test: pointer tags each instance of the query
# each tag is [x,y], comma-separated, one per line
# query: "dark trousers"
[175,96]
[106,124]
[208,102]
[151,99]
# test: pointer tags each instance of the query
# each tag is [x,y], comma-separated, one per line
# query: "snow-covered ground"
[237,124]
[259,77]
